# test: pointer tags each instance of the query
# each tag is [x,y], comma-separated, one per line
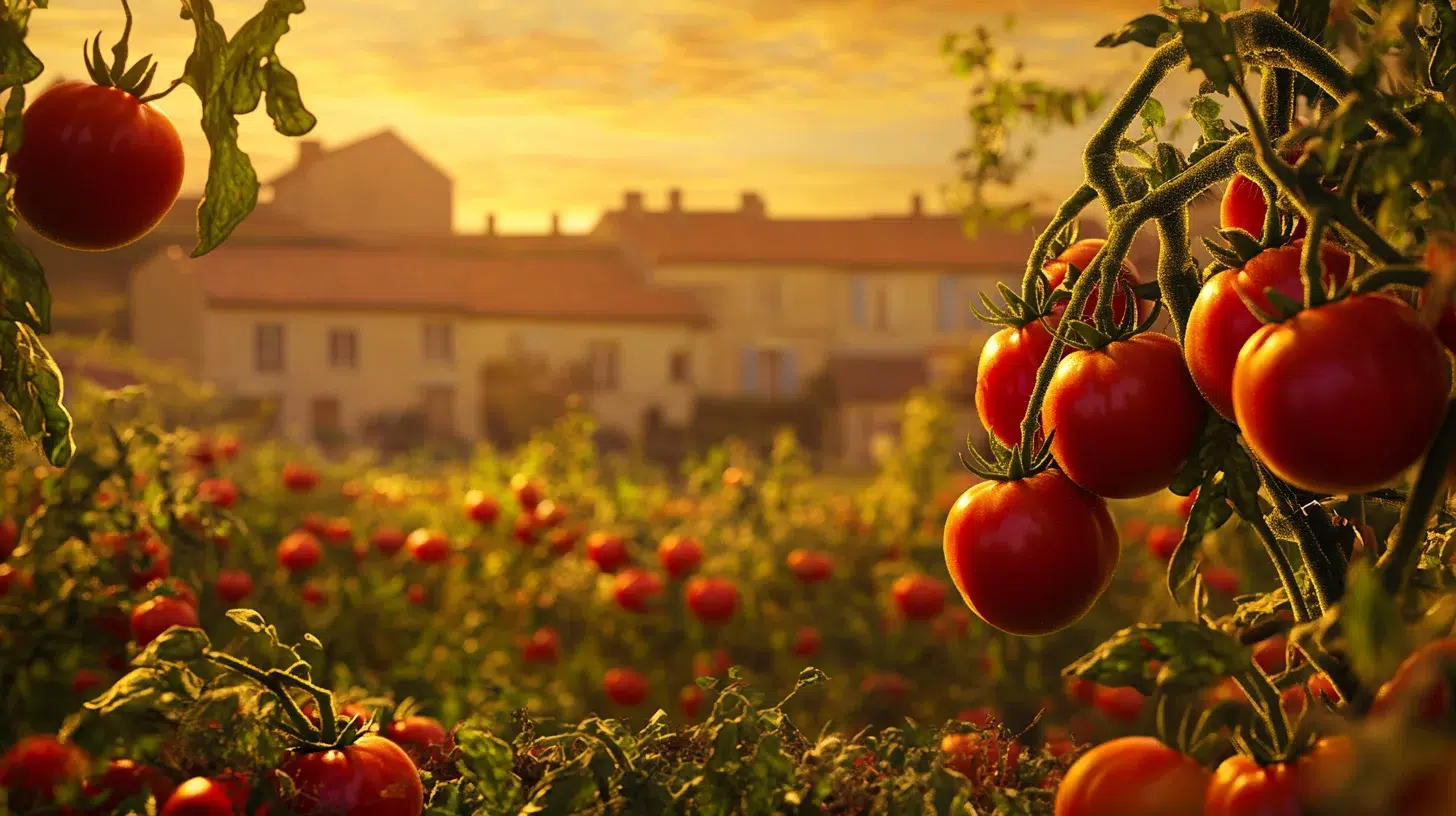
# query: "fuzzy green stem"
[1099,159]
[1281,566]
[1401,560]
[1276,100]
[265,680]
[1328,586]
[1177,275]
[1346,684]
[1310,266]
[1069,211]
[1264,698]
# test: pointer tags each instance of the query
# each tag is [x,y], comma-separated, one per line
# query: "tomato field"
[1202,568]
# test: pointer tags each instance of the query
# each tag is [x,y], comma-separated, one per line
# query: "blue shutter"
[949,301]
[859,303]
[788,373]
[748,371]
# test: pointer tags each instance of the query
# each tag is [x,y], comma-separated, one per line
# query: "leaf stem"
[1401,560]
[1099,159]
[1068,212]
[1281,566]
[1178,283]
[1310,266]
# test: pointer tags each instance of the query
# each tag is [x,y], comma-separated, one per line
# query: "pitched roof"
[905,242]
[384,134]
[871,377]
[599,285]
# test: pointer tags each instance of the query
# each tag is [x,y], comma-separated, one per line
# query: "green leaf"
[1194,657]
[24,295]
[1152,114]
[1371,622]
[31,384]
[18,64]
[1210,511]
[176,645]
[136,686]
[229,76]
[1211,49]
[1150,30]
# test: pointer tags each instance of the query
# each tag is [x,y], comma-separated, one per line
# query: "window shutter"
[859,305]
[748,371]
[788,373]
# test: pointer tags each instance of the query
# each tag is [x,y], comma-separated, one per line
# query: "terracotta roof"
[913,241]
[577,286]
[876,377]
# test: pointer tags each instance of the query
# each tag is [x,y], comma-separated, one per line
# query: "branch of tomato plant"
[275,682]
[1310,266]
[1177,283]
[1249,168]
[1099,158]
[1264,698]
[1276,99]
[1329,585]
[1282,567]
[1401,560]
[1068,212]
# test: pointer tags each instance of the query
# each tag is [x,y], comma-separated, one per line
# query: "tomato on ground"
[1030,556]
[1220,323]
[97,168]
[372,777]
[1006,376]
[1125,417]
[1133,776]
[1343,398]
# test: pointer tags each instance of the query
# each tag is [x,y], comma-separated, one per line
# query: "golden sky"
[535,106]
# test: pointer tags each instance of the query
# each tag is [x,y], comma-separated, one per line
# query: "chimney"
[632,202]
[752,204]
[674,200]
[490,224]
[309,150]
[555,223]
[917,206]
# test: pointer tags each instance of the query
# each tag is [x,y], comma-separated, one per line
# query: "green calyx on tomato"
[134,79]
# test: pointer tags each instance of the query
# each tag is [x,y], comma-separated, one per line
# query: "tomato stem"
[1069,211]
[1281,565]
[1177,275]
[1400,561]
[1264,698]
[1327,576]
[1311,268]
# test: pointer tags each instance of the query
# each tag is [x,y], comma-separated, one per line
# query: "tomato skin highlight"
[1032,556]
[1220,323]
[1343,398]
[1133,776]
[372,777]
[1126,416]
[1006,376]
[97,169]
[151,619]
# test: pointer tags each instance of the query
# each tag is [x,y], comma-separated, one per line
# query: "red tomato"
[542,647]
[150,619]
[1425,670]
[229,446]
[312,594]
[1133,776]
[372,777]
[1313,379]
[548,513]
[9,537]
[524,529]
[9,576]
[233,586]
[98,169]
[154,564]
[388,540]
[338,531]
[1005,377]
[85,681]
[299,551]
[1220,324]
[712,600]
[481,508]
[690,700]
[679,555]
[299,478]
[203,452]
[1080,689]
[200,796]
[417,594]
[123,782]
[1126,416]
[1271,654]
[607,551]
[315,524]
[526,491]
[1081,254]
[1031,556]
[428,546]
[806,642]
[918,597]
[625,687]
[1121,704]
[1163,540]
[971,755]
[423,738]
[885,687]
[37,768]
[811,566]
[562,540]
[1222,580]
[217,492]
[1243,206]
[1242,787]
[636,589]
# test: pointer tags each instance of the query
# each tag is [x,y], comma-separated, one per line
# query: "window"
[769,372]
[748,371]
[343,348]
[605,360]
[859,301]
[882,308]
[325,417]
[680,367]
[948,303]
[439,407]
[439,339]
[268,347]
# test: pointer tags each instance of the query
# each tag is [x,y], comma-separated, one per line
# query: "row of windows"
[953,299]
[604,358]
